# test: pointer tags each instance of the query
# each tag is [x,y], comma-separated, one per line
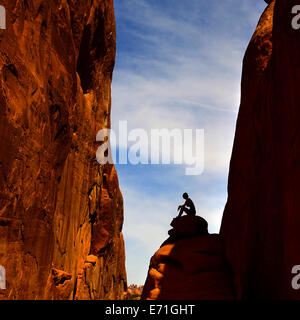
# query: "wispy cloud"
[178,66]
[147,220]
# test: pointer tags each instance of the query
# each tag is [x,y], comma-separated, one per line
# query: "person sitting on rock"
[188,207]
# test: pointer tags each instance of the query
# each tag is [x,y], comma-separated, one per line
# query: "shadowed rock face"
[61,214]
[189,265]
[186,226]
[261,219]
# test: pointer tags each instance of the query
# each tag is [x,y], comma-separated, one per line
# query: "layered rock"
[190,265]
[61,213]
[261,219]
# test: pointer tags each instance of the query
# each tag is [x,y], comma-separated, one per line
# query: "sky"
[178,65]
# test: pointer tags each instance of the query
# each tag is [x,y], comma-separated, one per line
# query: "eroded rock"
[56,64]
[189,267]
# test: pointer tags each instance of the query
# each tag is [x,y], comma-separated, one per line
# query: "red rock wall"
[262,216]
[190,265]
[56,64]
[189,269]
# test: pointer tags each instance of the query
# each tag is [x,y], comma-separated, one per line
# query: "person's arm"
[184,205]
[181,207]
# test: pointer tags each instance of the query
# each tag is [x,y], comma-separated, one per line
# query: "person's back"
[190,204]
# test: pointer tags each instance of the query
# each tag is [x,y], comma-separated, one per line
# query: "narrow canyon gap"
[259,237]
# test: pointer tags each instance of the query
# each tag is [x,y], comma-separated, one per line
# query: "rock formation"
[261,219]
[189,265]
[134,292]
[61,213]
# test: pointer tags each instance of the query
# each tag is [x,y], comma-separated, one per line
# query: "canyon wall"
[190,265]
[61,213]
[262,216]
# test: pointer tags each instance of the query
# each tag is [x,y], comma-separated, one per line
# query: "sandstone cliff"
[61,214]
[190,265]
[261,219]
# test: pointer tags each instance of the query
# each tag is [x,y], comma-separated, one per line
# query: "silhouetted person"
[188,207]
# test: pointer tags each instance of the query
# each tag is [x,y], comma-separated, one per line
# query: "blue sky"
[178,66]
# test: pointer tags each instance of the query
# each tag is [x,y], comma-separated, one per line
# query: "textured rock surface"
[189,268]
[188,226]
[56,63]
[261,219]
[185,227]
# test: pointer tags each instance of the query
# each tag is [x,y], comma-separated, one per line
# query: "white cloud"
[148,219]
[182,70]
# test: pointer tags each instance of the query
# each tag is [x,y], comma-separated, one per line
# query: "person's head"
[185,196]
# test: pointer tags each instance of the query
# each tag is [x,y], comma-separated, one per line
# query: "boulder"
[187,226]
[190,265]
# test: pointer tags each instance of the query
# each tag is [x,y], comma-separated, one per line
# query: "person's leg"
[182,210]
[190,212]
